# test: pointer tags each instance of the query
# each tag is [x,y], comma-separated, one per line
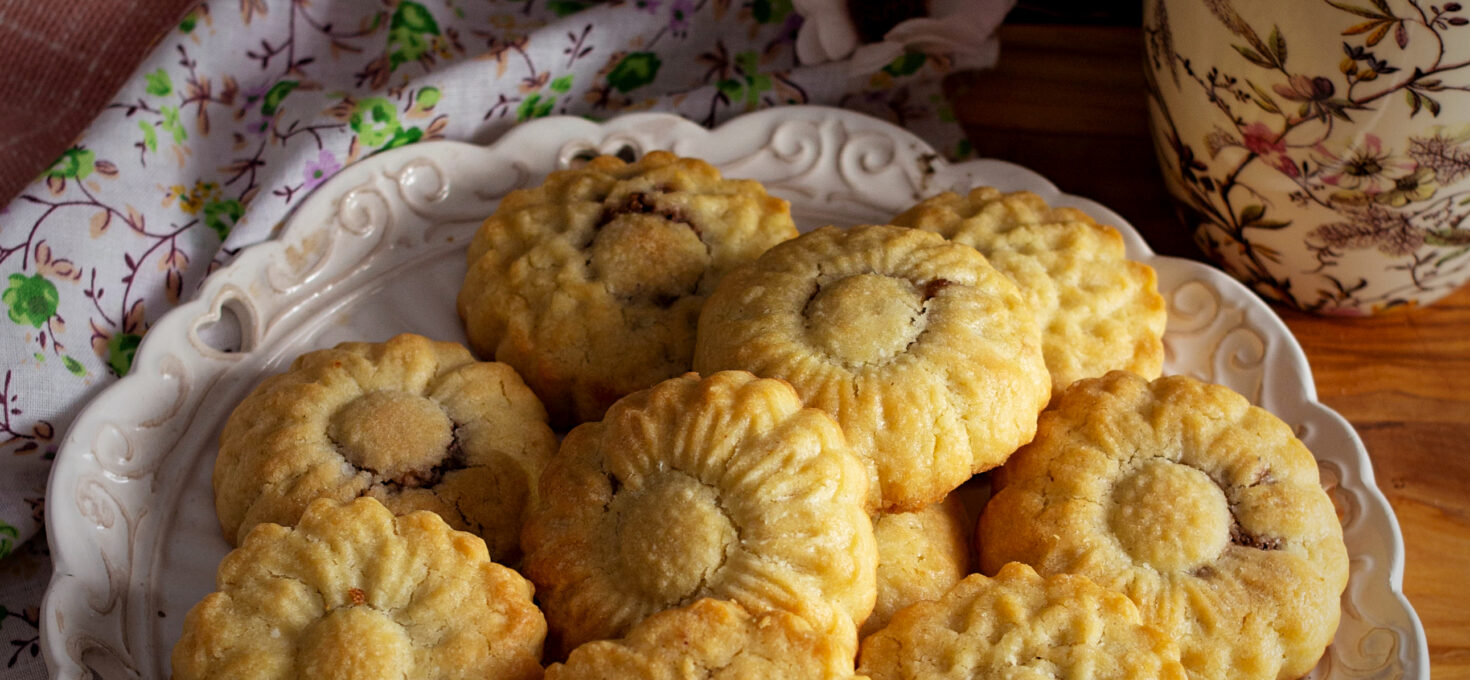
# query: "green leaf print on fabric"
[76,367]
[405,46]
[748,89]
[221,216]
[374,120]
[905,64]
[272,99]
[749,62]
[150,136]
[963,149]
[534,106]
[74,163]
[428,97]
[538,105]
[158,83]
[171,124]
[414,17]
[565,7]
[190,20]
[770,11]
[404,137]
[120,351]
[32,299]
[634,71]
[407,33]
[9,535]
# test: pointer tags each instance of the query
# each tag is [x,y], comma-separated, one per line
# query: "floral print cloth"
[248,105]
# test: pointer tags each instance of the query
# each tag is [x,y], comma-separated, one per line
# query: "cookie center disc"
[1169,516]
[672,536]
[866,318]
[648,257]
[355,642]
[396,435]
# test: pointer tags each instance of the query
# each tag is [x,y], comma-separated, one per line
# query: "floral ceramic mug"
[1321,148]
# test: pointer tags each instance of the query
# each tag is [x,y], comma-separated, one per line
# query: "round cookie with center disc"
[354,592]
[1020,625]
[414,423]
[590,285]
[725,487]
[929,358]
[716,640]
[1206,511]
[1098,310]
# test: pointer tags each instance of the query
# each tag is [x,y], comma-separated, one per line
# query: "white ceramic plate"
[379,250]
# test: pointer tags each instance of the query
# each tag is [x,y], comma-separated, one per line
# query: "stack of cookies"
[773,445]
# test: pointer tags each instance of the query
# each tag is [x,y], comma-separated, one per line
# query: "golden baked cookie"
[1020,625]
[724,487]
[921,555]
[590,284]
[928,358]
[1098,310]
[1204,510]
[716,640]
[353,592]
[414,423]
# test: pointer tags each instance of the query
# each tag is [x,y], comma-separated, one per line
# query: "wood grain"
[1068,102]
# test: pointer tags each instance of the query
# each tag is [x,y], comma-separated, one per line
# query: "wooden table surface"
[1068,102]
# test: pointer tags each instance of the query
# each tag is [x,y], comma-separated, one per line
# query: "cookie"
[1020,625]
[921,555]
[590,284]
[1098,310]
[716,640]
[1204,510]
[414,423]
[724,487]
[928,357]
[354,592]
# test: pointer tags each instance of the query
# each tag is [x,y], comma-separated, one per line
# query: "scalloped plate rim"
[566,129]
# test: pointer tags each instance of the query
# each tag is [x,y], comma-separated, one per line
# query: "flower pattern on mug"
[1395,196]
